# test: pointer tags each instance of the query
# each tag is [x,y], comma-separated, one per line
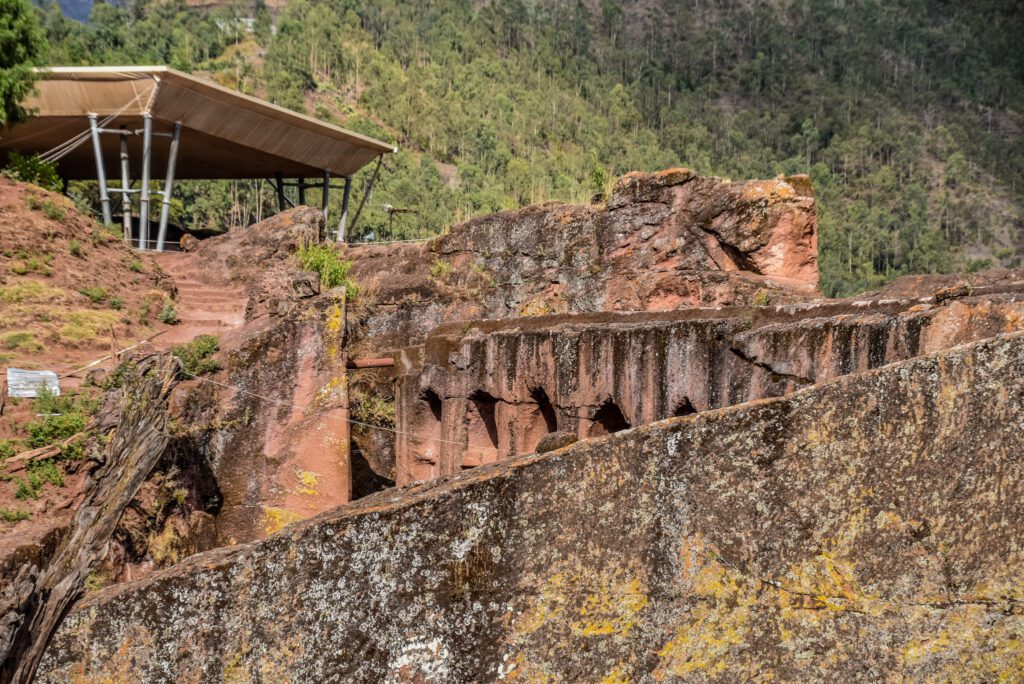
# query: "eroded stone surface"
[666,240]
[865,529]
[498,387]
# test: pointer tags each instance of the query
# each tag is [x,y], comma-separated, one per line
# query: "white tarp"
[27,383]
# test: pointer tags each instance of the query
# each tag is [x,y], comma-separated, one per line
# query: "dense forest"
[907,114]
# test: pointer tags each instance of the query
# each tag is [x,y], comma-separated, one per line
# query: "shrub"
[195,356]
[62,417]
[115,303]
[35,263]
[75,248]
[96,294]
[116,378]
[10,515]
[7,449]
[168,314]
[39,473]
[332,269]
[136,266]
[32,169]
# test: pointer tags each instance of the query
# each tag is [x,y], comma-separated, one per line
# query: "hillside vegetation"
[907,114]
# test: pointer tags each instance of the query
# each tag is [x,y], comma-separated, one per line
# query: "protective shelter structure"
[137,119]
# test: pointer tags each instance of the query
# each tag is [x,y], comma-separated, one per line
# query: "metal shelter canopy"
[93,120]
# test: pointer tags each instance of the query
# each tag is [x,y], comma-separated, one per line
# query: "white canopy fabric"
[224,133]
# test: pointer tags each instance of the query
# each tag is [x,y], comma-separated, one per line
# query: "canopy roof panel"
[225,134]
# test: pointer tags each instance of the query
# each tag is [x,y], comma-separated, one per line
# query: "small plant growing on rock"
[372,409]
[115,303]
[136,266]
[439,269]
[761,298]
[168,314]
[195,356]
[75,248]
[332,269]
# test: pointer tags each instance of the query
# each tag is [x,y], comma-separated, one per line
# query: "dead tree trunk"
[32,608]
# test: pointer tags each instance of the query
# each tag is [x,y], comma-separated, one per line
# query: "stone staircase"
[205,304]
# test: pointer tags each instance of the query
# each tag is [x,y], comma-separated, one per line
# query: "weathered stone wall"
[865,529]
[274,428]
[664,241]
[480,392]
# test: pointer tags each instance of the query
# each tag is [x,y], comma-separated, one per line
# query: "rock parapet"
[864,529]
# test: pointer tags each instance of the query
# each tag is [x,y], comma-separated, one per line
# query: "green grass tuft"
[332,269]
[195,355]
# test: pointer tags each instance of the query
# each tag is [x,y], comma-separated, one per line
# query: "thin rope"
[66,147]
[304,409]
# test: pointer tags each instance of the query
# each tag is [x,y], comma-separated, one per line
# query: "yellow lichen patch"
[611,610]
[715,629]
[706,643]
[308,481]
[616,676]
[276,519]
[334,327]
[968,647]
[332,389]
[548,606]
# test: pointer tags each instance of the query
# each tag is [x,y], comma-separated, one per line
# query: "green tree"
[22,46]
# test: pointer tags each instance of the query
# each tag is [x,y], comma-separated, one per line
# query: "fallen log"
[32,608]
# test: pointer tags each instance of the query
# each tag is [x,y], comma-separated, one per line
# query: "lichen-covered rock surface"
[866,529]
[664,241]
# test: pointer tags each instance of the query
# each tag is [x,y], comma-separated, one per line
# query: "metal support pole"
[344,209]
[147,155]
[126,200]
[327,193]
[280,191]
[165,209]
[302,191]
[101,174]
[369,191]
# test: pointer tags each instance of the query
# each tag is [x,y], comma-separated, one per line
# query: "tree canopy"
[906,114]
[22,46]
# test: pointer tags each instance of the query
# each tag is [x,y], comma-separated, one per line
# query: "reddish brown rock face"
[866,529]
[665,241]
[485,391]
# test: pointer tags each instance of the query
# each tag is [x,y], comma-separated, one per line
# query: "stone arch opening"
[427,432]
[684,408]
[607,420]
[536,420]
[481,430]
[545,409]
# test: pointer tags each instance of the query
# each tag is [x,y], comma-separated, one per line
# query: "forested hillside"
[907,114]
